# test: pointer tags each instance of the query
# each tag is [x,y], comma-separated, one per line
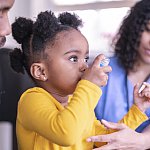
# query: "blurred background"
[101,19]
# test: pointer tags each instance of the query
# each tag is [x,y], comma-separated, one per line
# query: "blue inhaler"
[104,62]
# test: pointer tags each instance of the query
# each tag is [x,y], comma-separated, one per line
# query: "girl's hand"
[142,100]
[95,73]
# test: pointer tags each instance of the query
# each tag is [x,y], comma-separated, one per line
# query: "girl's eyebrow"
[75,51]
[72,51]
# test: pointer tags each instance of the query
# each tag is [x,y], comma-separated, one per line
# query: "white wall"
[26,8]
[30,8]
[20,8]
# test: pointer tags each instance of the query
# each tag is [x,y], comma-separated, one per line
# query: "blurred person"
[131,64]
[6,112]
[5,28]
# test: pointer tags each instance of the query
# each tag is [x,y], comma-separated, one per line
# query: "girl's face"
[67,60]
[144,47]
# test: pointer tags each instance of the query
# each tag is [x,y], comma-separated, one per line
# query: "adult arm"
[133,118]
[124,139]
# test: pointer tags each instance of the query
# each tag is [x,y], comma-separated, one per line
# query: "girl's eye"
[73,58]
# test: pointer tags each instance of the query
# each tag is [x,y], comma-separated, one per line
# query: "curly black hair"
[129,34]
[34,37]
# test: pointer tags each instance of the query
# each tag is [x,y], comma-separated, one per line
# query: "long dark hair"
[129,35]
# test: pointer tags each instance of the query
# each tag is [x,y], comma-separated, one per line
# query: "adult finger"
[101,138]
[136,89]
[111,125]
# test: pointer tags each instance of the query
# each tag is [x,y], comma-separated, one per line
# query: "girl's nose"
[83,66]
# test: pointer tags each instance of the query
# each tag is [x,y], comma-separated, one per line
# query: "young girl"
[58,114]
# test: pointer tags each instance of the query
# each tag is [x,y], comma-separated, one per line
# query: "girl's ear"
[38,71]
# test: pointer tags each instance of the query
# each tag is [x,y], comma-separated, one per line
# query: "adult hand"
[142,100]
[124,139]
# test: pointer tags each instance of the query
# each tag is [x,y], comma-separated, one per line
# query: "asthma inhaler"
[104,62]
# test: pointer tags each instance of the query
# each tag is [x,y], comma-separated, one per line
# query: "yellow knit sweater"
[44,124]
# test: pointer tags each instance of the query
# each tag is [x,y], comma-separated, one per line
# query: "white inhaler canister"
[104,62]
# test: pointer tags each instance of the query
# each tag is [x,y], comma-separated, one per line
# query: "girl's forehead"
[69,40]
[68,33]
[70,36]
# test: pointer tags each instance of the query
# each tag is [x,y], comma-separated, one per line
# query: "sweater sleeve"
[134,117]
[37,112]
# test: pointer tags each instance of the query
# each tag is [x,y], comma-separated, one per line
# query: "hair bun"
[16,60]
[46,25]
[21,29]
[70,20]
